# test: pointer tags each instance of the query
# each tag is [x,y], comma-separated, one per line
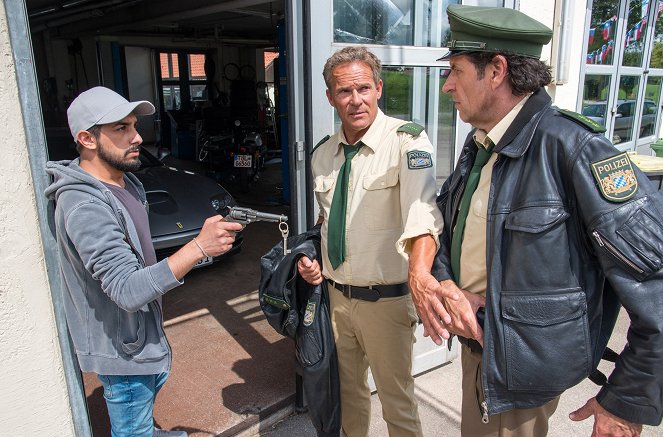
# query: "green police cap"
[486,29]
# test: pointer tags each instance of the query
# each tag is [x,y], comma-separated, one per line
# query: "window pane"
[435,31]
[198,92]
[171,97]
[396,99]
[595,97]
[446,124]
[602,31]
[197,67]
[169,65]
[657,50]
[373,21]
[650,108]
[624,117]
[395,22]
[163,61]
[635,33]
[405,95]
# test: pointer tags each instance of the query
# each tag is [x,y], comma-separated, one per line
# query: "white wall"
[33,399]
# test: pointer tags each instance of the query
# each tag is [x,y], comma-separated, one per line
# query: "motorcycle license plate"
[242,160]
[203,262]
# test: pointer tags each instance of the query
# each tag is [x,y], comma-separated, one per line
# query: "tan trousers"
[379,334]
[530,422]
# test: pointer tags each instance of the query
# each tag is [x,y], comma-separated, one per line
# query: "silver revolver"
[247,215]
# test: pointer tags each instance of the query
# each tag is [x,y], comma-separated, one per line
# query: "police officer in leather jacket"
[559,231]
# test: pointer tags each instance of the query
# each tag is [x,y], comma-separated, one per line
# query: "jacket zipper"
[484,412]
[483,405]
[605,243]
[455,201]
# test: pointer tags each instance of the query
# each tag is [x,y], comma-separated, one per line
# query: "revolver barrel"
[248,215]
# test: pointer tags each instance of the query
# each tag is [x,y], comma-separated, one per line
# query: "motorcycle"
[248,157]
[217,151]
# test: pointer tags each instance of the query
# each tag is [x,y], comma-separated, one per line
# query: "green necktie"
[336,225]
[472,182]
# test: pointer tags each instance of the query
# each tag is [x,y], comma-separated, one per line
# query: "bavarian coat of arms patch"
[309,315]
[417,159]
[616,178]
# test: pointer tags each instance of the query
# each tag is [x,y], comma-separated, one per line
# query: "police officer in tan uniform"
[374,181]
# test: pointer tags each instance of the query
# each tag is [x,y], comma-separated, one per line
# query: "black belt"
[372,292]
[471,343]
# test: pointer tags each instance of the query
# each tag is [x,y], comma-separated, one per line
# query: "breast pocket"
[382,200]
[537,248]
[323,188]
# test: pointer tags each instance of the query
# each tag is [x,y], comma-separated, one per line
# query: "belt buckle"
[375,294]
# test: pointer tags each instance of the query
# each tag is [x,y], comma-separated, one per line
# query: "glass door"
[623,70]
[407,36]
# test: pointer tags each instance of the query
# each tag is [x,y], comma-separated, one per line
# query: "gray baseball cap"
[100,105]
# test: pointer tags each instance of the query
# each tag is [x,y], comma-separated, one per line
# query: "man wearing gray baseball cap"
[110,276]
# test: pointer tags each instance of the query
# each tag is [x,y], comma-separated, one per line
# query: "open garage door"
[230,369]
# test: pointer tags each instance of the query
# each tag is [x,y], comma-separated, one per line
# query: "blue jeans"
[130,402]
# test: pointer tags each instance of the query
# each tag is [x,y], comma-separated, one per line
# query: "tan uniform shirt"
[390,201]
[473,274]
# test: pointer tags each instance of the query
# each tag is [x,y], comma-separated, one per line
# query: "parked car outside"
[179,203]
[624,121]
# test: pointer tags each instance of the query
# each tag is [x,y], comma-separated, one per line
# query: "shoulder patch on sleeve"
[411,128]
[417,159]
[583,120]
[320,143]
[615,177]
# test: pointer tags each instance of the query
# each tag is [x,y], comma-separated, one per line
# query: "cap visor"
[142,107]
[451,54]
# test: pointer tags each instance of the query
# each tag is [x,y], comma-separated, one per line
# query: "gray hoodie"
[112,301]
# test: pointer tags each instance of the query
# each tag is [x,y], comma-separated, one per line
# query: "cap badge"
[454,45]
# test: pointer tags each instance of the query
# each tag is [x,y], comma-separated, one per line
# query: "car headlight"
[222,202]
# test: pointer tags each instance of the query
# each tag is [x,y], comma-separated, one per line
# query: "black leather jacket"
[560,260]
[299,310]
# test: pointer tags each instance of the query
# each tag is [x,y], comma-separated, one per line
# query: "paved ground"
[439,397]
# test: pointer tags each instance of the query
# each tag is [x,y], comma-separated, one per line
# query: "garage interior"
[211,69]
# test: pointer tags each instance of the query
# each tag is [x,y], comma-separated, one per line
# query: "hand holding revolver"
[245,216]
